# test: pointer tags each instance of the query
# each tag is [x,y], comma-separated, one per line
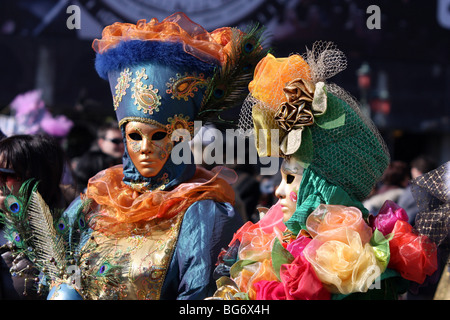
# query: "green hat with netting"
[293,112]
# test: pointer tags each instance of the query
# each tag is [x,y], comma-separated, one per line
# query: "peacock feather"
[73,227]
[54,246]
[228,86]
[103,272]
[15,219]
[47,245]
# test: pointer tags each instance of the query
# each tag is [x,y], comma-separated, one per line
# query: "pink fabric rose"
[298,282]
[386,218]
[296,247]
[269,290]
[301,282]
[273,219]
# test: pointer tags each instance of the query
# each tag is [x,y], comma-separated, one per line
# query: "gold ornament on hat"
[298,111]
[145,96]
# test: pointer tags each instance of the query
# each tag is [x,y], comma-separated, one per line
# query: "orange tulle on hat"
[271,76]
[175,28]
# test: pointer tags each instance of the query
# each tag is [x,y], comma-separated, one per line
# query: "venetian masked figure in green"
[319,241]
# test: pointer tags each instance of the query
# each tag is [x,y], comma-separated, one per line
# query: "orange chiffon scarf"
[122,211]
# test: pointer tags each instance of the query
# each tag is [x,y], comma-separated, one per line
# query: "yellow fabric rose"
[343,266]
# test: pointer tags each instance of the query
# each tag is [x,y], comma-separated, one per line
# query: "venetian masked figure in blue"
[153,227]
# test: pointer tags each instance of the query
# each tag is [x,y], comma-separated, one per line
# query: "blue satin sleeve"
[207,227]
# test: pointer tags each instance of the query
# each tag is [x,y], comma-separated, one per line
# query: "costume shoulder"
[207,227]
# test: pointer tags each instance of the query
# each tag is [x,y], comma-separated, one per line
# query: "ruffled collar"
[123,211]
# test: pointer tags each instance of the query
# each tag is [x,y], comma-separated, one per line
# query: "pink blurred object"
[27,103]
[58,126]
[386,218]
[273,218]
[32,116]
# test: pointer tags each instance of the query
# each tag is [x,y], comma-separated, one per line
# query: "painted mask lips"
[147,162]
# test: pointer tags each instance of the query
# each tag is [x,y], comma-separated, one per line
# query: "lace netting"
[325,60]
[354,155]
[432,194]
[245,124]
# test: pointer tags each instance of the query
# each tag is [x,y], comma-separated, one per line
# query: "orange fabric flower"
[256,245]
[252,274]
[177,28]
[331,221]
[271,76]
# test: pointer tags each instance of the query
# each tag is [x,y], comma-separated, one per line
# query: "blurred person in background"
[24,157]
[393,183]
[106,152]
[110,141]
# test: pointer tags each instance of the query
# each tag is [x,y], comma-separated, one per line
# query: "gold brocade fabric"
[138,263]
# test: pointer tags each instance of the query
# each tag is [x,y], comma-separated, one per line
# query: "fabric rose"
[301,282]
[299,91]
[331,222]
[413,255]
[343,266]
[264,230]
[270,290]
[297,111]
[386,218]
[298,282]
[252,274]
[296,247]
[256,245]
[272,219]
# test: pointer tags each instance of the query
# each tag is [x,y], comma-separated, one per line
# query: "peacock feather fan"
[73,227]
[229,84]
[16,221]
[62,249]
[30,227]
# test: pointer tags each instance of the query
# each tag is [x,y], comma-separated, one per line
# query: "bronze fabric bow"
[297,111]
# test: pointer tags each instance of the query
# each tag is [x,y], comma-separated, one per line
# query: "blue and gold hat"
[171,73]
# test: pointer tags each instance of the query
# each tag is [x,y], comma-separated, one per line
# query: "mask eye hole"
[135,136]
[290,178]
[159,135]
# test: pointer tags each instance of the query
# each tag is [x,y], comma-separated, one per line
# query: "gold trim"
[144,120]
[177,227]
